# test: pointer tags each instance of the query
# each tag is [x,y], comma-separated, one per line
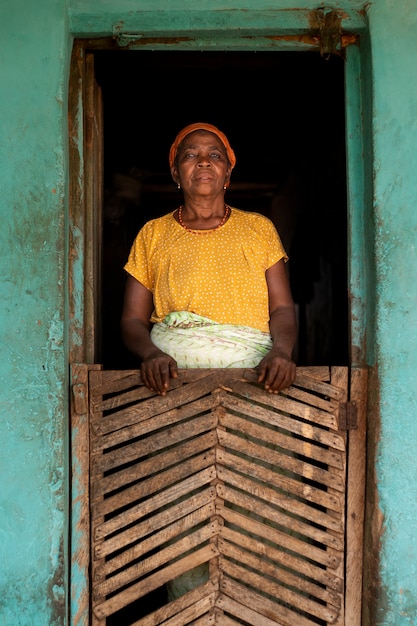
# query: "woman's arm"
[156,366]
[277,370]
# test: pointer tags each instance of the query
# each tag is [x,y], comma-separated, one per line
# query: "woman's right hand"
[157,368]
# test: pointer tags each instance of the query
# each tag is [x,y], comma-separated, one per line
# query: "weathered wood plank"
[80,536]
[284,456]
[198,614]
[257,498]
[154,581]
[153,541]
[275,476]
[356,499]
[265,567]
[154,465]
[160,440]
[144,488]
[115,381]
[155,405]
[130,573]
[244,603]
[176,608]
[292,444]
[305,396]
[280,402]
[285,552]
[313,372]
[278,458]
[161,519]
[151,424]
[283,421]
[340,378]
[250,615]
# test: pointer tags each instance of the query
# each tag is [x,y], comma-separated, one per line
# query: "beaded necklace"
[227,211]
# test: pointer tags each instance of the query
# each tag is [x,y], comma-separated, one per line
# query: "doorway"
[283,113]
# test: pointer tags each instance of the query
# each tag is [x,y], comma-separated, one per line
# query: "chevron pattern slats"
[220,472]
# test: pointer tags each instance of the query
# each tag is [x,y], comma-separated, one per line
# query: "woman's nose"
[203,161]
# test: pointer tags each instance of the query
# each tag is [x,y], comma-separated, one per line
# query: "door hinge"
[348,415]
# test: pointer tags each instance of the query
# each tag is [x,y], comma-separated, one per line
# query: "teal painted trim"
[361,231]
[131,6]
[357,280]
[177,23]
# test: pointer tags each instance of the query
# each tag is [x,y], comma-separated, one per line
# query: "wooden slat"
[131,573]
[288,462]
[146,487]
[258,499]
[339,378]
[80,536]
[299,447]
[153,465]
[280,402]
[286,550]
[143,448]
[142,588]
[154,423]
[244,603]
[178,607]
[116,380]
[243,612]
[153,406]
[275,476]
[198,614]
[281,420]
[155,540]
[163,518]
[356,500]
[266,566]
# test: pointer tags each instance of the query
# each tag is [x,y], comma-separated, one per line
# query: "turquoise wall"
[35,48]
[394,50]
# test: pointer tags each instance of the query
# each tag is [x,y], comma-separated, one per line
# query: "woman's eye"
[215,155]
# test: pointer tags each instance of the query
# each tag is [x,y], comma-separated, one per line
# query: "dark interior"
[284,116]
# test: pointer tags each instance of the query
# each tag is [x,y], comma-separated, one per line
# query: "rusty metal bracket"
[348,415]
[328,23]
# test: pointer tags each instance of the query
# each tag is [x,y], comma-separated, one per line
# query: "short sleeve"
[276,250]
[137,264]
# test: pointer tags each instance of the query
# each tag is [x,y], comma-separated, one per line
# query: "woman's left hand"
[276,370]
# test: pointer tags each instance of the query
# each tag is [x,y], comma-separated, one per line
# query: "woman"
[207,284]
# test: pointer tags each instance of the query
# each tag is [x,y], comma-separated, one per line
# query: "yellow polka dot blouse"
[219,274]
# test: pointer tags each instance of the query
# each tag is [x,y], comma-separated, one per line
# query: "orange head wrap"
[201,126]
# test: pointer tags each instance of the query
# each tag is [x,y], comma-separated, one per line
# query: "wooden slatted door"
[219,472]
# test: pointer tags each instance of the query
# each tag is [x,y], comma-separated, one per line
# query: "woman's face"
[201,166]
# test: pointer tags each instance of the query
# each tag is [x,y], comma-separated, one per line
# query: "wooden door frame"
[84,195]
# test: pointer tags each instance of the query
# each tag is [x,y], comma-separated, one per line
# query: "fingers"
[156,373]
[276,374]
